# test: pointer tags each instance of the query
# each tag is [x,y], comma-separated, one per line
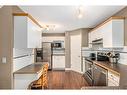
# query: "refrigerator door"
[47,53]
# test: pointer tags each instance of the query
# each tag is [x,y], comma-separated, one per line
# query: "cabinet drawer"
[113,77]
[112,83]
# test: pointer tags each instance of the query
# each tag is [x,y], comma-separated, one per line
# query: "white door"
[76,53]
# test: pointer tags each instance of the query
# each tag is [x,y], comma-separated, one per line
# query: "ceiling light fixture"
[80,12]
[49,28]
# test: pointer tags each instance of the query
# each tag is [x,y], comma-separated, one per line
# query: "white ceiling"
[65,17]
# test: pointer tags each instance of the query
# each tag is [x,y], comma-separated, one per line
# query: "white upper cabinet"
[113,34]
[111,31]
[34,35]
[96,34]
[27,34]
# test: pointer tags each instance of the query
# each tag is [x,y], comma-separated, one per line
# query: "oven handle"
[87,62]
[87,74]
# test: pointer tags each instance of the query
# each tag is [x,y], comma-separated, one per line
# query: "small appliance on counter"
[101,56]
[113,57]
[92,56]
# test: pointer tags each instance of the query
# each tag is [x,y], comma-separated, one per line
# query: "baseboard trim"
[58,69]
[68,69]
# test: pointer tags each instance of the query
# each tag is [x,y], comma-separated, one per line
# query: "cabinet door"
[96,34]
[113,79]
[39,39]
[34,35]
[107,35]
[56,62]
[59,62]
[20,32]
[53,61]
[93,35]
[118,33]
[62,62]
[99,32]
[113,34]
[90,40]
[26,33]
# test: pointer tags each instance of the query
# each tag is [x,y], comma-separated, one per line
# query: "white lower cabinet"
[113,79]
[22,81]
[58,62]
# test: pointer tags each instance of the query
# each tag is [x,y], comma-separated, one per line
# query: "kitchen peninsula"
[28,74]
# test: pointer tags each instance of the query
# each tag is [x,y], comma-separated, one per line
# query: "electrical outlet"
[4,60]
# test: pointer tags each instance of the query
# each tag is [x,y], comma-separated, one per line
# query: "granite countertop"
[119,69]
[31,69]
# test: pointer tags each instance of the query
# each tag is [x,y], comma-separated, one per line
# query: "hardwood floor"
[65,80]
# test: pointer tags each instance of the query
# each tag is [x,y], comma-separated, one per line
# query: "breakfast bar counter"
[28,74]
[31,69]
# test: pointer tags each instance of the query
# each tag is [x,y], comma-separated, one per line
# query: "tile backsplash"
[122,51]
[123,56]
[21,62]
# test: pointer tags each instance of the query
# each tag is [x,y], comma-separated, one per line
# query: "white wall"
[19,63]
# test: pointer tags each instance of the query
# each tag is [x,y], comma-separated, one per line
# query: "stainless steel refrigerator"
[47,53]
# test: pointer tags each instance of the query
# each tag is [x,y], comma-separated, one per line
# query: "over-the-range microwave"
[58,44]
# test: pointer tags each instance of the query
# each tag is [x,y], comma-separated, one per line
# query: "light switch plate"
[4,60]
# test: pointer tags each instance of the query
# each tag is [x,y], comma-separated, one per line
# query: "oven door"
[100,76]
[88,79]
[89,68]
[89,72]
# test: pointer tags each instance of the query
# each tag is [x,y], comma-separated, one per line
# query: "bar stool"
[42,82]
[44,76]
[35,85]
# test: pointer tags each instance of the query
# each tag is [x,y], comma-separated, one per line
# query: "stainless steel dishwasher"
[100,76]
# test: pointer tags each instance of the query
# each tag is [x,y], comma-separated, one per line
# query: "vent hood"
[97,41]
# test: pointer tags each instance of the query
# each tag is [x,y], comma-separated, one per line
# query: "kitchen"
[96,54]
